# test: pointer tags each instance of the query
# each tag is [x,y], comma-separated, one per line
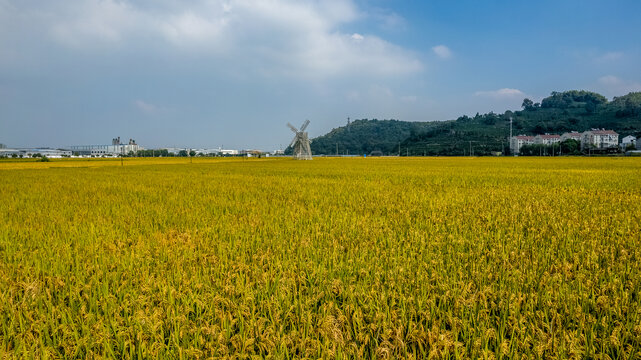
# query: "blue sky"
[232,73]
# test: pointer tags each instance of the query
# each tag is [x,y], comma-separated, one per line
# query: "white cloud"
[91,21]
[505,93]
[609,57]
[271,37]
[146,107]
[388,20]
[442,51]
[190,27]
[614,86]
[380,92]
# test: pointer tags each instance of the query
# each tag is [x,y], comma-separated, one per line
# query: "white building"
[516,142]
[547,139]
[106,150]
[571,135]
[30,152]
[207,151]
[627,141]
[116,148]
[599,139]
[229,152]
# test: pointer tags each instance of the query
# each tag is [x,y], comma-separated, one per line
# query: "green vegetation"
[487,134]
[367,136]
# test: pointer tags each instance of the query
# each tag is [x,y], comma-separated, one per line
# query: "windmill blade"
[293,141]
[302,128]
[292,127]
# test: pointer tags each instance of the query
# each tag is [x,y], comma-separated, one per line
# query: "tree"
[571,147]
[527,104]
[590,107]
[540,128]
[572,99]
[182,153]
[192,153]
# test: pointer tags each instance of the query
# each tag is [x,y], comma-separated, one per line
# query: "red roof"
[549,136]
[603,132]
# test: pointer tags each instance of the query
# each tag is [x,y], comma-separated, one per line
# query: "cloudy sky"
[232,73]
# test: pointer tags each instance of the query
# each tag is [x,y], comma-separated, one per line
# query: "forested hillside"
[487,133]
[367,136]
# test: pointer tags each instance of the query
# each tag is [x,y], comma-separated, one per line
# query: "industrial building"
[30,152]
[115,149]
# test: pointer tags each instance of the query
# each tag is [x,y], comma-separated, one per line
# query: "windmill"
[300,143]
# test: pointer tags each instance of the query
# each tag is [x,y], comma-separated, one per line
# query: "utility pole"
[399,149]
[510,139]
[336,149]
[471,148]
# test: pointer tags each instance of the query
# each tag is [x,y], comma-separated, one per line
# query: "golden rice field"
[332,258]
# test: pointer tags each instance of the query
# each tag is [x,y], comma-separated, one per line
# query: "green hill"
[487,133]
[367,136]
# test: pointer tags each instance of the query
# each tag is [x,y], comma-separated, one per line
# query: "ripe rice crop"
[330,258]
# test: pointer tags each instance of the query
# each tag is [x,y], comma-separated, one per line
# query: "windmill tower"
[300,143]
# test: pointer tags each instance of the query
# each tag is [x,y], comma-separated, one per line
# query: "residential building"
[627,141]
[547,139]
[571,135]
[516,142]
[599,139]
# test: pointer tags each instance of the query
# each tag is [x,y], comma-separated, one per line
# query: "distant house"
[571,135]
[627,141]
[599,139]
[547,139]
[516,142]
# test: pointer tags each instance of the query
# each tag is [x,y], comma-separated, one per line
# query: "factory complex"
[130,148]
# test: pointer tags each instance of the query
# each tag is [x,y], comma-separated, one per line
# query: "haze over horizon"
[209,73]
